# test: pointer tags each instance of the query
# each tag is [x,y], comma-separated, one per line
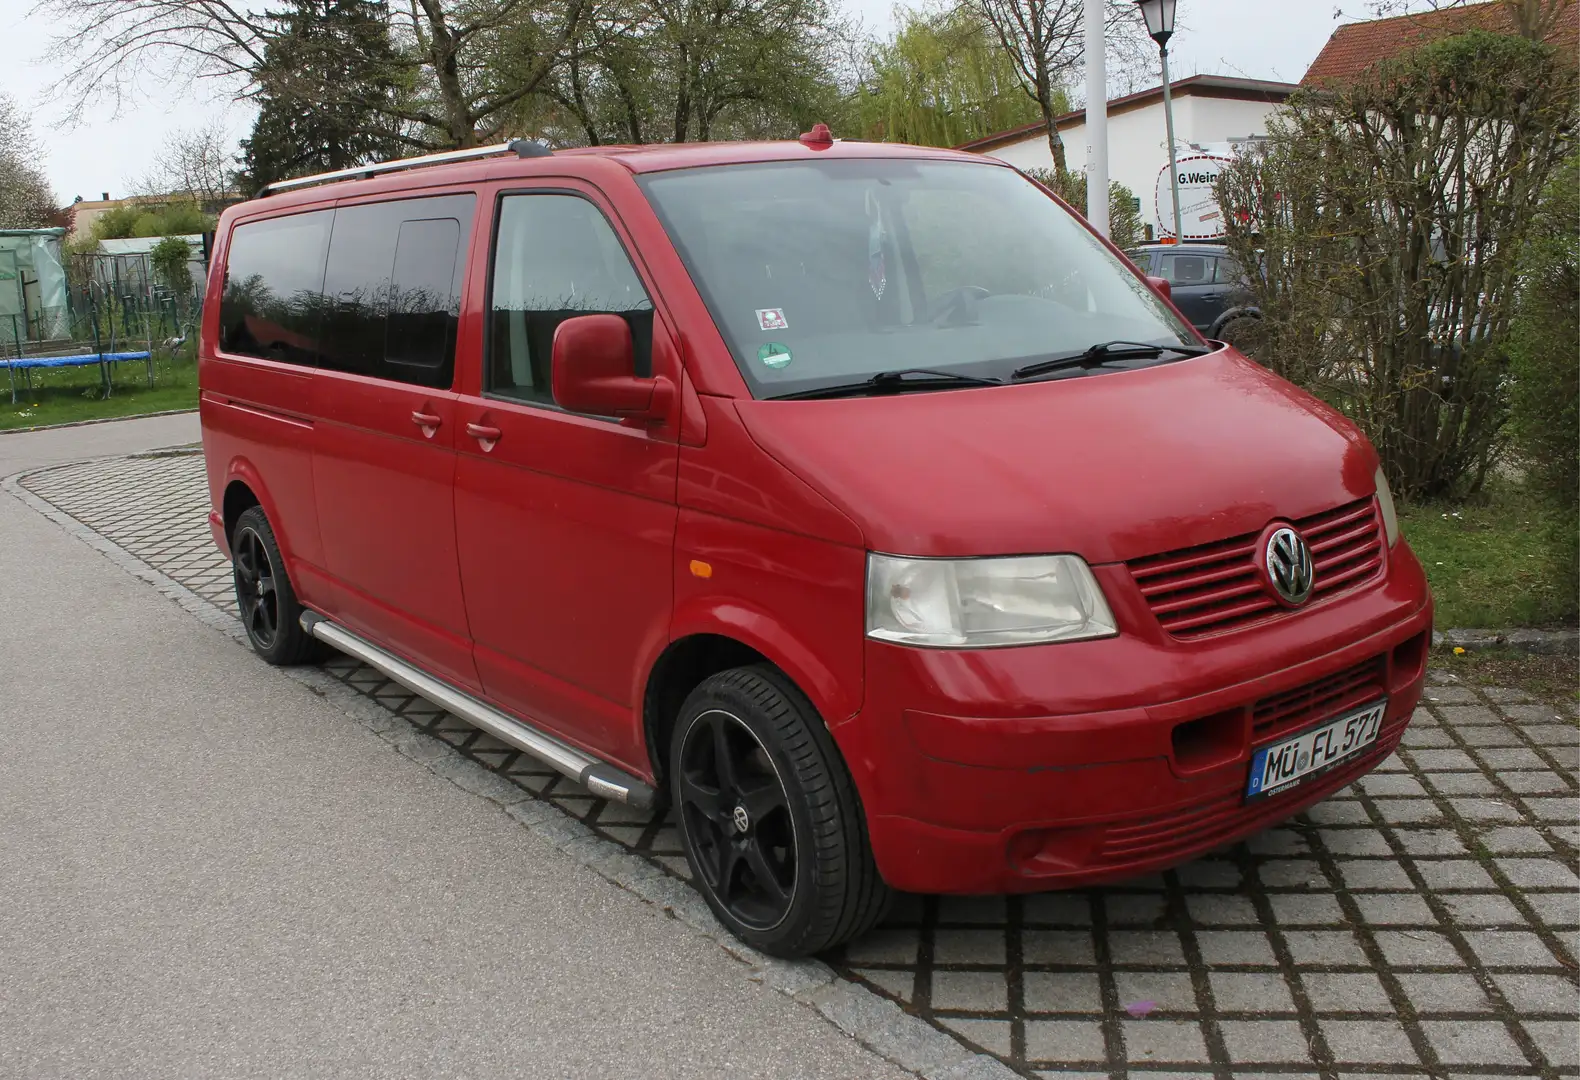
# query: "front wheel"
[769,817]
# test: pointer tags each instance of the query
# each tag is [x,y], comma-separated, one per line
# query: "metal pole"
[1096,118]
[1174,169]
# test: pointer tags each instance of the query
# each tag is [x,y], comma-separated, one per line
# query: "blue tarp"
[70,361]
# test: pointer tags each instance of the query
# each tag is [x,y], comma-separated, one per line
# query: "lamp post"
[1159,16]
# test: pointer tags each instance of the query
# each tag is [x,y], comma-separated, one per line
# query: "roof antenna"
[819,138]
[530,148]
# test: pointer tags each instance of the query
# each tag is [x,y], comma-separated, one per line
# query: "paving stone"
[970,991]
[1065,1041]
[1062,991]
[1416,738]
[1480,810]
[1250,991]
[1206,874]
[1338,812]
[1450,695]
[1482,909]
[1296,873]
[1134,948]
[1373,874]
[1232,947]
[1355,842]
[1391,785]
[1529,993]
[1538,873]
[1468,714]
[1551,735]
[1489,736]
[1555,810]
[971,909]
[1451,874]
[1346,992]
[1211,909]
[902,984]
[1556,1040]
[991,1035]
[1057,909]
[1534,783]
[1065,947]
[1556,909]
[1417,948]
[1164,1040]
[1409,811]
[968,947]
[883,946]
[1277,842]
[1509,949]
[1394,909]
[1472,1042]
[1269,1042]
[1514,839]
[1324,948]
[1306,910]
[1430,842]
[1172,991]
[1433,992]
[1132,909]
[1510,759]
[1380,1042]
[1462,783]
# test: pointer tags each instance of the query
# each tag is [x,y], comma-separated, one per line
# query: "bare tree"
[198,163]
[26,200]
[467,62]
[1046,39]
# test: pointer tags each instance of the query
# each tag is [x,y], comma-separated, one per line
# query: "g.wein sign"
[1200,215]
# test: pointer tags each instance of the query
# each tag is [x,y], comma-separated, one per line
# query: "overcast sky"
[1261,39]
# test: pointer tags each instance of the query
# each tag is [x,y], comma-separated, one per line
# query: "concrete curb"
[90,423]
[874,1021]
[1539,642]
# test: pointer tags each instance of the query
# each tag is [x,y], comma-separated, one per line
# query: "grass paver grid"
[1423,921]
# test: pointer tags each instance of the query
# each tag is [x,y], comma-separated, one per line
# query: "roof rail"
[520,147]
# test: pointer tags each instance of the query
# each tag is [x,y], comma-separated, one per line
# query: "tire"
[269,610]
[812,883]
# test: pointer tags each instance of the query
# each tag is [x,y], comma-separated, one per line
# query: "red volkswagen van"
[856,501]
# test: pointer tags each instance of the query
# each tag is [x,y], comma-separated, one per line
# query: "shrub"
[1387,215]
[169,259]
[1545,365]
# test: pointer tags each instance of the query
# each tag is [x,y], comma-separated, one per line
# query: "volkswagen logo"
[742,821]
[1289,569]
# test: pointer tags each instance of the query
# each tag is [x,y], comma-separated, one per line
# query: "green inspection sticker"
[773,355]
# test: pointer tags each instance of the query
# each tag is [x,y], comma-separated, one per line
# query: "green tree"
[941,80]
[1124,210]
[171,262]
[1388,215]
[344,44]
[147,218]
[1546,374]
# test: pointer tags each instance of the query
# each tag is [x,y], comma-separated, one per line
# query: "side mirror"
[1161,287]
[594,371]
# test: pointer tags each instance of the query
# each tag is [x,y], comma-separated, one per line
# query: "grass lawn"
[1486,560]
[65,395]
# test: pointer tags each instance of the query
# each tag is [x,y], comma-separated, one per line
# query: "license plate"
[1281,765]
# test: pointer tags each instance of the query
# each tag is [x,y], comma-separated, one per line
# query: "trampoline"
[26,364]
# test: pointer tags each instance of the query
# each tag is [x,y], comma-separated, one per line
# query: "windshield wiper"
[892,382]
[1106,351]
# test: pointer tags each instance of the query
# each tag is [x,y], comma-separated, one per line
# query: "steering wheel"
[960,302]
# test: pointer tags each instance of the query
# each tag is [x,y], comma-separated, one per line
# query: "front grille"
[1214,588]
[1320,700]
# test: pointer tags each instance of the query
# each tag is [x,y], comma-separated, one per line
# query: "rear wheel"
[771,824]
[267,602]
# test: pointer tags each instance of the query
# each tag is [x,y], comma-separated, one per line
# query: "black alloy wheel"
[738,819]
[256,594]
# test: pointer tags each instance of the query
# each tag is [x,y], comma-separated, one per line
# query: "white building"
[1212,116]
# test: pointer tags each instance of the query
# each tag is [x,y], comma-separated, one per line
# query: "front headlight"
[1390,515]
[963,603]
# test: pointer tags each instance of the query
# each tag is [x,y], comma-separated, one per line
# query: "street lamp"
[1159,16]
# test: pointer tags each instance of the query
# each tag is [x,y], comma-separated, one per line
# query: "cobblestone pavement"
[1425,921]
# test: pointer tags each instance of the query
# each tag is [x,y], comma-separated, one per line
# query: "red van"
[856,501]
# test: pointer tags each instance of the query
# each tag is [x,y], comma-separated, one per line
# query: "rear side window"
[392,289]
[555,257]
[1182,269]
[274,274]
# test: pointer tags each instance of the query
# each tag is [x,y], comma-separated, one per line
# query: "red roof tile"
[1354,48]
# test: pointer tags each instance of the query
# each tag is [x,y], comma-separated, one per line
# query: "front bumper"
[1016,770]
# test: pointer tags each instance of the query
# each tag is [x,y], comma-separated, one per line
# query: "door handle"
[426,420]
[485,434]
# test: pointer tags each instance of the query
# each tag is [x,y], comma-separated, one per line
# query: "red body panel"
[549,568]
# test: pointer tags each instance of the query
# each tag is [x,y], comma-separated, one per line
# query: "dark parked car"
[1209,287]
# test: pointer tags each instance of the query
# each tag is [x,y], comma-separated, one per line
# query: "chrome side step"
[599,777]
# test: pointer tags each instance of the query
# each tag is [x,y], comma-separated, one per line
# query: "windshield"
[821,273]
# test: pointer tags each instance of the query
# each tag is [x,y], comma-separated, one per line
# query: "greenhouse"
[33,299]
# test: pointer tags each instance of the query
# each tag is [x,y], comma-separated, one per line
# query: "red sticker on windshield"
[772,319]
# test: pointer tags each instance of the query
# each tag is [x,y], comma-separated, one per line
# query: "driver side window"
[555,257]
